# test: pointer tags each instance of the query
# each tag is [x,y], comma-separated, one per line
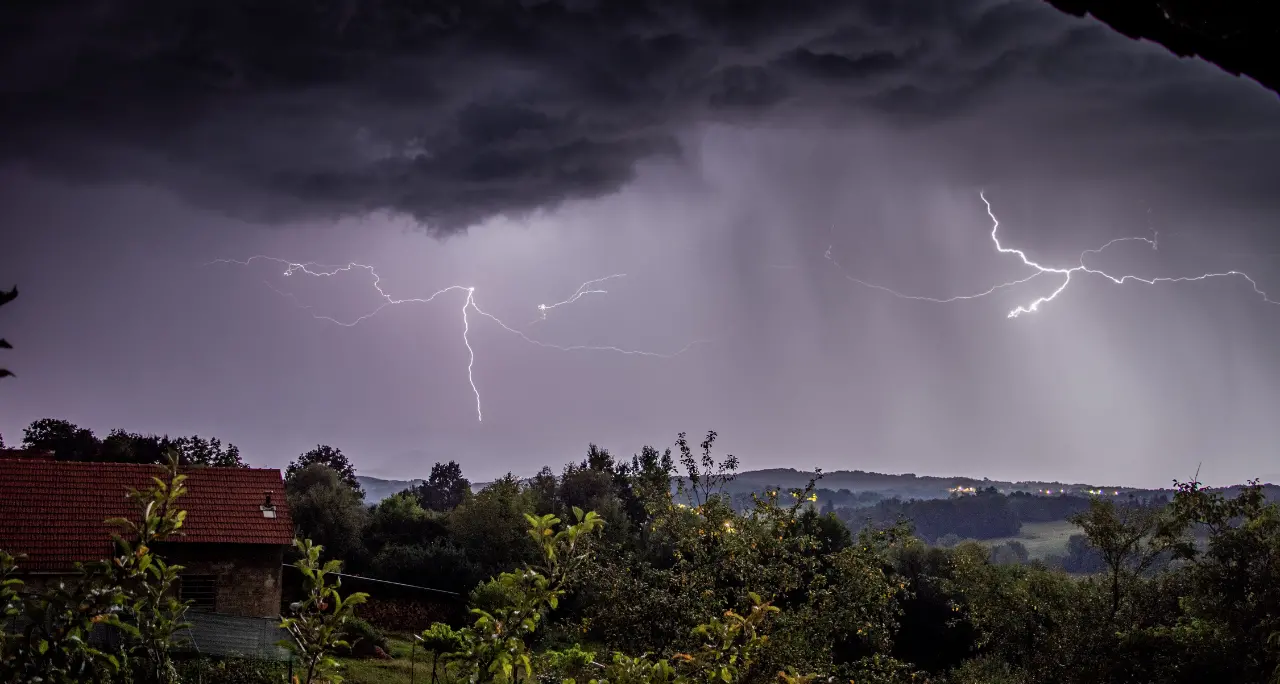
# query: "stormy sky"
[713,155]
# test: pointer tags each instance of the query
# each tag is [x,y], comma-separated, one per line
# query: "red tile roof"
[55,511]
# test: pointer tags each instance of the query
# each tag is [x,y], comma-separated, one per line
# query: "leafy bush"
[362,638]
[440,564]
[315,623]
[129,594]
[232,671]
[490,595]
[495,649]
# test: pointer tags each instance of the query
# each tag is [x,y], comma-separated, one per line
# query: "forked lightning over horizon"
[1066,273]
[468,303]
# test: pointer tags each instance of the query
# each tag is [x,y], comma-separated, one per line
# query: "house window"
[200,590]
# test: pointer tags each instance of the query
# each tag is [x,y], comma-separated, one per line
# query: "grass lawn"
[1042,539]
[395,671]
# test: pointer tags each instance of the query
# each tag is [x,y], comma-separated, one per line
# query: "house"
[231,545]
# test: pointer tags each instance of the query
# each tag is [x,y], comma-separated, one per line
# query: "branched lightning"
[468,304]
[1066,273]
[582,291]
[920,298]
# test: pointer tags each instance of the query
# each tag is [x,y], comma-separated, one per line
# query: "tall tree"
[330,457]
[1125,537]
[122,446]
[196,450]
[5,298]
[649,482]
[67,441]
[326,510]
[488,526]
[445,489]
[128,447]
[400,519]
[706,477]
[70,442]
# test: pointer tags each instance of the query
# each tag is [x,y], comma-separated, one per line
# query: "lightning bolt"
[468,304]
[1065,272]
[582,291]
[921,298]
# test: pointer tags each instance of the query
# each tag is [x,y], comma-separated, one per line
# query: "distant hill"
[906,485]
[376,489]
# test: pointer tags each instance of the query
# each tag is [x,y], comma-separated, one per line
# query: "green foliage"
[326,510]
[11,607]
[128,447]
[152,615]
[331,458]
[54,646]
[704,475]
[648,588]
[69,442]
[449,567]
[987,514]
[489,526]
[985,670]
[365,640]
[1009,553]
[1126,540]
[131,593]
[232,671]
[443,639]
[494,648]
[316,622]
[444,489]
[1233,584]
[400,519]
[838,600]
[196,450]
[490,595]
[1038,621]
[444,643]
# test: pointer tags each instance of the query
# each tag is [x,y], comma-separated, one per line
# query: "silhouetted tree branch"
[5,298]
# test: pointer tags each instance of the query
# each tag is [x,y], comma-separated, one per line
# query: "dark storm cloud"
[456,111]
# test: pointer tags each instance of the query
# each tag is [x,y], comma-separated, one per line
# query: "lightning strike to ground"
[468,304]
[1066,273]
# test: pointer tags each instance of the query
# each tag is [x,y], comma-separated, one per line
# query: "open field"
[396,671]
[1042,539]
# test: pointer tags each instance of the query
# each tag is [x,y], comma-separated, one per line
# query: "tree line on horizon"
[343,522]
[673,586]
[1180,589]
[67,441]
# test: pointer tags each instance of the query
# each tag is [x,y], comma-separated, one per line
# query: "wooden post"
[413,651]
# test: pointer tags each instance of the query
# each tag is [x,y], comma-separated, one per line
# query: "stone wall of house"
[248,575]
